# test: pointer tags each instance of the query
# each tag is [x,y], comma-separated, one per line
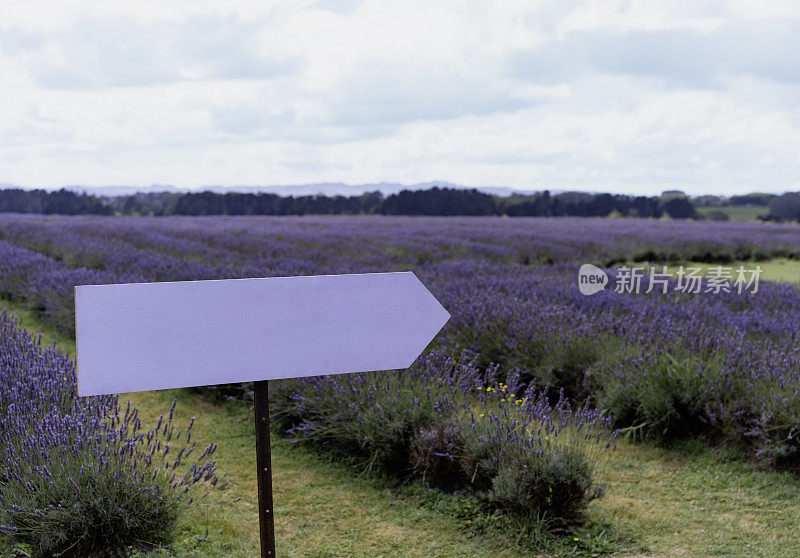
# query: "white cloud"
[600,95]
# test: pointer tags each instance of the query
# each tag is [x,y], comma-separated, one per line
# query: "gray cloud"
[15,40]
[681,57]
[104,53]
[249,119]
[341,7]
[96,53]
[390,96]
[228,49]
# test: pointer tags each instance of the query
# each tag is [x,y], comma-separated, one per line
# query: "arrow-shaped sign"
[147,336]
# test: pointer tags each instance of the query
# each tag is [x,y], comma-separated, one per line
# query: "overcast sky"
[615,96]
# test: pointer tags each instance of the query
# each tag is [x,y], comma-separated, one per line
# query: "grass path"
[780,270]
[697,501]
[690,501]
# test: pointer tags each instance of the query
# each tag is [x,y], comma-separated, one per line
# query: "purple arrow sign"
[146,336]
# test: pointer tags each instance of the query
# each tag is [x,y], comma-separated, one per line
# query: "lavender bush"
[78,477]
[457,428]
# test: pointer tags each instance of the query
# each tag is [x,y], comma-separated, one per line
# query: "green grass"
[780,270]
[698,501]
[689,500]
[738,213]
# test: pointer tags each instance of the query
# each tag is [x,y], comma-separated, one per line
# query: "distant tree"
[752,199]
[709,201]
[202,203]
[679,208]
[642,206]
[538,205]
[63,201]
[439,201]
[130,206]
[370,202]
[601,205]
[785,207]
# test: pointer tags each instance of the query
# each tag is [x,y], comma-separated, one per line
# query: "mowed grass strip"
[780,270]
[738,213]
[690,500]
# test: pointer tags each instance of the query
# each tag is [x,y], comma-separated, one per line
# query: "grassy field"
[687,500]
[738,213]
[782,270]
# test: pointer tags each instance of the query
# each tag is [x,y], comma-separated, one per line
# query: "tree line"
[64,202]
[434,201]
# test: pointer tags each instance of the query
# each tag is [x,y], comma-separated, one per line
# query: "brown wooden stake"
[264,464]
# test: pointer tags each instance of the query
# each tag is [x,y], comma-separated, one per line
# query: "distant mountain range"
[327,188]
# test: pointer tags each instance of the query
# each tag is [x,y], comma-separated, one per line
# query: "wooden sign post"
[266,517]
[148,336]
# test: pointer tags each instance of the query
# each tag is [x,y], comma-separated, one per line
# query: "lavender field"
[522,394]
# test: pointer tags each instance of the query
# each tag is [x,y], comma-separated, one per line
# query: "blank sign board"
[147,336]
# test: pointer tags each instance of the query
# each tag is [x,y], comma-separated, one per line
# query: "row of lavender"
[78,477]
[296,245]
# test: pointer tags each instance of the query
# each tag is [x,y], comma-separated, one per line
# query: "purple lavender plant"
[77,476]
[441,421]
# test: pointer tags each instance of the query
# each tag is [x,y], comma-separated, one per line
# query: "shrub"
[773,426]
[73,507]
[370,415]
[661,397]
[520,453]
[533,458]
[76,478]
[559,481]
